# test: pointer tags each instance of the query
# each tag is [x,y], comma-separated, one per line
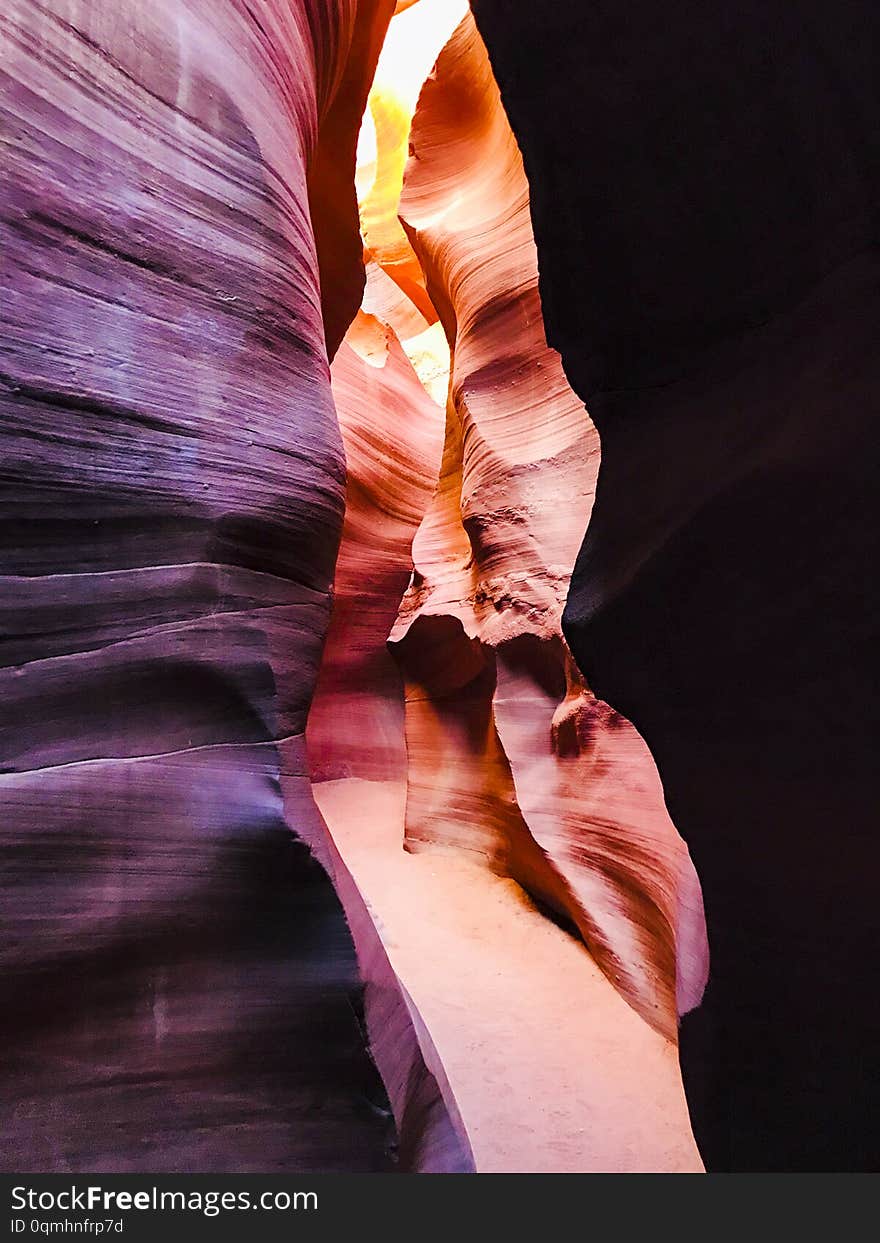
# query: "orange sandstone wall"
[479,794]
[511,756]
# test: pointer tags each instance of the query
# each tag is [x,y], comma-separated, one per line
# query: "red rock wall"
[474,746]
[511,756]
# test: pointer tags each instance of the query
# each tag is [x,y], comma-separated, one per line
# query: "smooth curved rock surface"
[492,908]
[179,980]
[704,197]
[540,1062]
[511,756]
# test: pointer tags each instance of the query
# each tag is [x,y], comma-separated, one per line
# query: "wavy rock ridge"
[490,760]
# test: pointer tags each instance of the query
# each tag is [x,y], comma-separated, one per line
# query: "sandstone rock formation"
[573,807]
[327,840]
[506,780]
[179,983]
[704,196]
[186,941]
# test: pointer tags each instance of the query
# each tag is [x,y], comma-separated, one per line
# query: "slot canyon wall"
[181,989]
[470,961]
[328,841]
[542,882]
[704,198]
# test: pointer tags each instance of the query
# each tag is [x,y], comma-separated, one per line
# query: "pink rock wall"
[180,979]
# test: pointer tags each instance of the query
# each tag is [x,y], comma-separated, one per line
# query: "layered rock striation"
[535,775]
[328,842]
[506,829]
[180,982]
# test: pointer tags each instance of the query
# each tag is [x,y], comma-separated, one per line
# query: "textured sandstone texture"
[180,984]
[492,908]
[704,196]
[511,756]
[538,852]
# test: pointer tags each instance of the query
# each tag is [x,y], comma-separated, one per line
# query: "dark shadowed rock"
[703,190]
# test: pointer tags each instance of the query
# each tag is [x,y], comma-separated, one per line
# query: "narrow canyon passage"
[473,742]
[361,710]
